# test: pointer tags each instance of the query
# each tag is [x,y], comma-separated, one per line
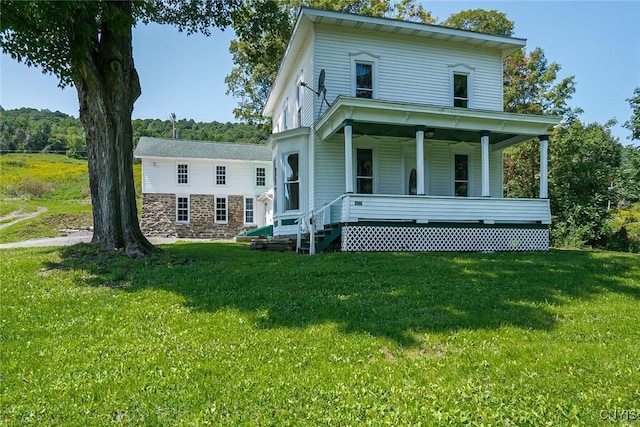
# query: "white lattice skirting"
[393,238]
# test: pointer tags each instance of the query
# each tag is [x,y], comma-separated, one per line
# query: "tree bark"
[108,85]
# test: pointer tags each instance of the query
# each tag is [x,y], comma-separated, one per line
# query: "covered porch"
[447,201]
[491,131]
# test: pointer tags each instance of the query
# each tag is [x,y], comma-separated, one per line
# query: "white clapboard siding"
[330,174]
[425,209]
[160,176]
[389,154]
[410,69]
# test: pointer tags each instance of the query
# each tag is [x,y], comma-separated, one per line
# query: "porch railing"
[425,209]
[307,223]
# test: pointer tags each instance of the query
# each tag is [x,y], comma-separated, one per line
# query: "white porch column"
[484,142]
[420,159]
[348,155]
[544,183]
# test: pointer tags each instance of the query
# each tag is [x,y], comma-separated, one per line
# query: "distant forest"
[31,130]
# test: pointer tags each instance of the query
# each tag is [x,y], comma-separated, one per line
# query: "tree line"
[32,130]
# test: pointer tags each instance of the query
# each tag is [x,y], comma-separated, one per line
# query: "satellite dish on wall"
[321,87]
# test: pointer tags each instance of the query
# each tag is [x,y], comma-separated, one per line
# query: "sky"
[597,42]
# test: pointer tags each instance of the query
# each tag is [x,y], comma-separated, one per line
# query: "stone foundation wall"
[159,217]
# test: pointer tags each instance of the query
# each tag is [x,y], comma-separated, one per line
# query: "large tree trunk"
[108,85]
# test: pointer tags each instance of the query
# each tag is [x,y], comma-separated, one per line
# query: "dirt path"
[72,238]
[19,215]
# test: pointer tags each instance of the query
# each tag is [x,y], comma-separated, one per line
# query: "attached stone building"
[203,189]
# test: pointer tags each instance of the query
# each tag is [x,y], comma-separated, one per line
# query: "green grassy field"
[215,334]
[54,182]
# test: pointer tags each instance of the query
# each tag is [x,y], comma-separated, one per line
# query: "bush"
[28,187]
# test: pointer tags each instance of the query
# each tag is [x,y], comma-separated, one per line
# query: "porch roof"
[399,119]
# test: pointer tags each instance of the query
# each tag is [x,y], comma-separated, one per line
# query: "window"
[221,175]
[183,173]
[460,90]
[364,80]
[364,171]
[299,98]
[461,175]
[248,210]
[182,210]
[292,182]
[261,177]
[285,119]
[275,189]
[221,210]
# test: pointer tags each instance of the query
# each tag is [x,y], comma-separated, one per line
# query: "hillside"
[31,130]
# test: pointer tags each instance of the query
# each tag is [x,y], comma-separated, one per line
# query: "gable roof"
[307,18]
[186,149]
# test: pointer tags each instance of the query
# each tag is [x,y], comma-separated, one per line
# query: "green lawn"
[215,334]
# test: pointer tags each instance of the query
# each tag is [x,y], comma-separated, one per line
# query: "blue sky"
[598,42]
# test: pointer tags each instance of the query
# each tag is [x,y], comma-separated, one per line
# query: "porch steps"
[323,238]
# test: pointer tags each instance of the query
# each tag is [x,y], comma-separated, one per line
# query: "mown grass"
[215,334]
[55,182]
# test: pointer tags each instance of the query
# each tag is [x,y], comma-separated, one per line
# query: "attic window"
[460,90]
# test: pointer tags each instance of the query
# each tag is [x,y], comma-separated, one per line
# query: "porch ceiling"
[440,134]
[395,119]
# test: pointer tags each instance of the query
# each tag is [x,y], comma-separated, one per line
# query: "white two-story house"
[204,189]
[388,135]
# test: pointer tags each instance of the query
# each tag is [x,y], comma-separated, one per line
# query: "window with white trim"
[275,187]
[248,210]
[461,175]
[364,80]
[182,209]
[221,175]
[364,171]
[460,90]
[261,177]
[285,118]
[182,171]
[221,210]
[364,72]
[292,182]
[461,86]
[299,98]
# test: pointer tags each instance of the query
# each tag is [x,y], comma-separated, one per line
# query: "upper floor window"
[221,175]
[364,80]
[299,98]
[460,90]
[364,71]
[183,173]
[261,177]
[461,85]
[291,182]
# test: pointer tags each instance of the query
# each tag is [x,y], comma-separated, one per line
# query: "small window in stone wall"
[248,211]
[182,209]
[221,210]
